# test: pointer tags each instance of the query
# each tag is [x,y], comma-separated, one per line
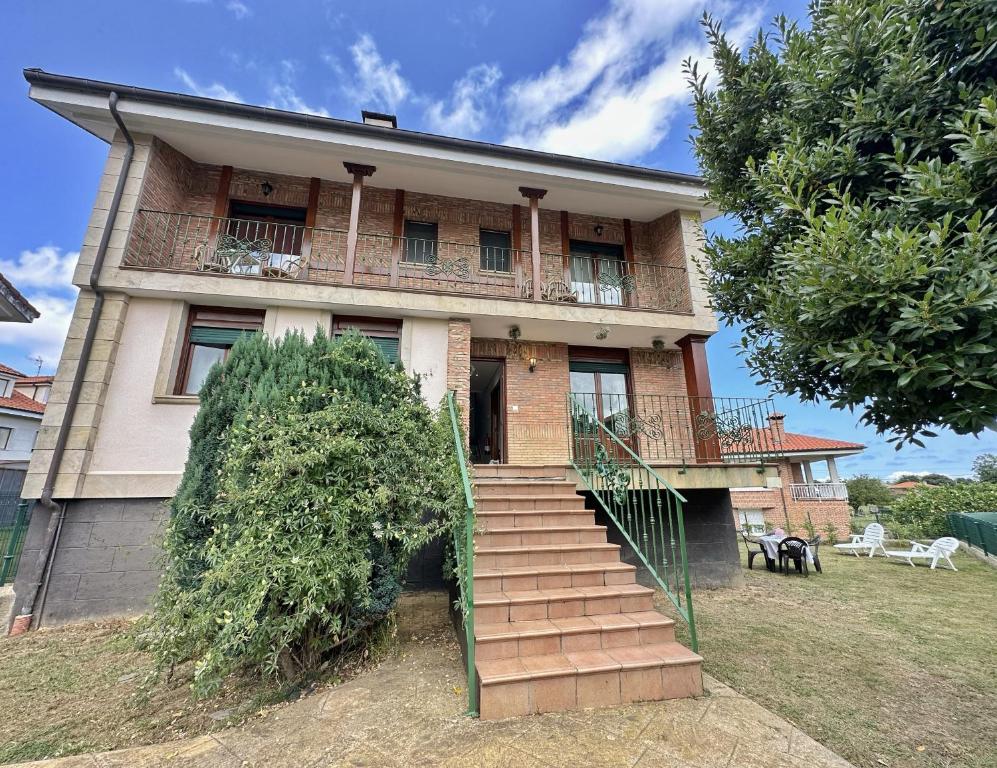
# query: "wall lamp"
[598,230]
[266,188]
[533,364]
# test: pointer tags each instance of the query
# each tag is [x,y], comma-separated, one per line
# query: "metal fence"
[978,529]
[15,516]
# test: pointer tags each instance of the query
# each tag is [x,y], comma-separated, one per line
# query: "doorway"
[597,271]
[487,411]
[600,384]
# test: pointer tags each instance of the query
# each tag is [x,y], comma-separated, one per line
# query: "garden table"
[770,545]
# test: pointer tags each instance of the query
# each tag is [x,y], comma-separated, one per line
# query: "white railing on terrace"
[819,492]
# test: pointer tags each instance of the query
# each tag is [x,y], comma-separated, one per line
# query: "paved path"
[408,712]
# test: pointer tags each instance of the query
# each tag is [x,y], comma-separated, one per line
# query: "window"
[384,332]
[5,433]
[6,387]
[752,520]
[599,381]
[597,270]
[420,242]
[496,254]
[211,332]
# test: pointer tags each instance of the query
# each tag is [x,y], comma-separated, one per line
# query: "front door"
[602,389]
[487,411]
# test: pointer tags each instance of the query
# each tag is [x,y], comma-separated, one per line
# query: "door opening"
[487,412]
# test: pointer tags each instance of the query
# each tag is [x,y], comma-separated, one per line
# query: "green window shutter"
[584,366]
[216,337]
[388,347]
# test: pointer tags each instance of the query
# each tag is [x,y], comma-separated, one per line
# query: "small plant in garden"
[325,466]
[831,531]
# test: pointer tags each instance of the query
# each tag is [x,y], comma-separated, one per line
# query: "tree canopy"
[866,489]
[859,159]
[985,468]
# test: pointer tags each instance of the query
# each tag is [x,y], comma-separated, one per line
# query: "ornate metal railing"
[688,430]
[819,491]
[463,541]
[185,242]
[645,508]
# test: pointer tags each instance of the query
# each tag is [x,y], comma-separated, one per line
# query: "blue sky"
[597,79]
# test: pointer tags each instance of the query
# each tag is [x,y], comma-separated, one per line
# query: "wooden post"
[697,384]
[359,172]
[535,196]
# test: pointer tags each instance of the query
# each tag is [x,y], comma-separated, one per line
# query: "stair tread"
[545,529]
[565,593]
[553,570]
[542,548]
[574,625]
[585,662]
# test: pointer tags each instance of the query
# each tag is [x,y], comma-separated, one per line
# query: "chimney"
[379,118]
[776,427]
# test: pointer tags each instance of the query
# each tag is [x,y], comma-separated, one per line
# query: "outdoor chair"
[814,547]
[939,549]
[793,548]
[747,546]
[868,541]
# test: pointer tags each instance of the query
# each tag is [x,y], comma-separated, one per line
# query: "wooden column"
[397,231]
[534,196]
[566,247]
[697,384]
[359,172]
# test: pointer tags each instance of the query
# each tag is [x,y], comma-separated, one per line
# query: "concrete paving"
[408,711]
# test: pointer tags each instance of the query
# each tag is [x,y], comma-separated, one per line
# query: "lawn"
[885,664]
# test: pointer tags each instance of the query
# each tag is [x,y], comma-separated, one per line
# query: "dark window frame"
[371,327]
[410,254]
[488,261]
[6,433]
[235,318]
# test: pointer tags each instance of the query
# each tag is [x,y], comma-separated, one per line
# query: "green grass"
[883,663]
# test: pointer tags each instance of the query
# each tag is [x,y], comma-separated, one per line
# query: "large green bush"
[320,467]
[922,510]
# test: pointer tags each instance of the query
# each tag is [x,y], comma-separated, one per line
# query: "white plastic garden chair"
[939,549]
[869,540]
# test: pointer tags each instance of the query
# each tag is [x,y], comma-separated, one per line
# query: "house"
[798,499]
[558,297]
[901,489]
[14,308]
[22,405]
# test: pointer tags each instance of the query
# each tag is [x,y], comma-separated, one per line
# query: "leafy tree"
[326,463]
[859,159]
[866,489]
[922,511]
[985,468]
[932,478]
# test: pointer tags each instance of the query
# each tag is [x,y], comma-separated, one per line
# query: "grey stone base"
[106,563]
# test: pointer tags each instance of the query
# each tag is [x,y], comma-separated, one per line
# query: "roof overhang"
[819,453]
[276,141]
[14,308]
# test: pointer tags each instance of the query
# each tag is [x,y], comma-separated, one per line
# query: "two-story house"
[22,403]
[521,280]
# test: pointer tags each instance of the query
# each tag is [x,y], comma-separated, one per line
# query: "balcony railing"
[819,491]
[184,242]
[687,430]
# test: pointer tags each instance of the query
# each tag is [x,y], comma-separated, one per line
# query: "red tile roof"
[907,484]
[10,371]
[19,402]
[793,442]
[35,379]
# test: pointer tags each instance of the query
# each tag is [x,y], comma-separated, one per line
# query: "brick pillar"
[76,459]
[459,367]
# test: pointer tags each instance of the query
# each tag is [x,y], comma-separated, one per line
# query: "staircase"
[560,622]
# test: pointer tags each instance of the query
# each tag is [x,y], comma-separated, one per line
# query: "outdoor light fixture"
[598,230]
[533,364]
[266,188]
[658,345]
[602,333]
[515,333]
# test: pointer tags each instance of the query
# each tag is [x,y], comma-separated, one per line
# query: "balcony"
[249,249]
[819,491]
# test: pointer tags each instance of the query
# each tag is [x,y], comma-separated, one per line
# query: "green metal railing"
[642,504]
[13,528]
[464,554]
[978,529]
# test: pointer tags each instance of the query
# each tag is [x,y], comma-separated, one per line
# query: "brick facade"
[459,367]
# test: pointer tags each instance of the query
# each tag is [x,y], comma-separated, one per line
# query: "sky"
[595,79]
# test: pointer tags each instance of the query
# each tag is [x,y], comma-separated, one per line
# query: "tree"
[985,468]
[922,511]
[859,159]
[327,466]
[932,478]
[866,489]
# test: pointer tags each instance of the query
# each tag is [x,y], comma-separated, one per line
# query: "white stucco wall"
[135,434]
[22,439]
[280,320]
[424,351]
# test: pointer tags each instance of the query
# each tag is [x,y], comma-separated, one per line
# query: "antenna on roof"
[38,360]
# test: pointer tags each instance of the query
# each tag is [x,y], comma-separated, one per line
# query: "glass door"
[597,271]
[601,392]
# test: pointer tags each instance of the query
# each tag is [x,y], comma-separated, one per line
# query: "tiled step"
[519,471]
[562,534]
[533,518]
[601,632]
[498,607]
[496,502]
[520,686]
[522,487]
[518,579]
[486,558]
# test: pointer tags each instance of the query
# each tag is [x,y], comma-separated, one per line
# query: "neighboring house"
[22,405]
[517,279]
[798,498]
[14,308]
[901,489]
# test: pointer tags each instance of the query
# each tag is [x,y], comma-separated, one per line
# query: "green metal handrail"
[639,501]
[464,553]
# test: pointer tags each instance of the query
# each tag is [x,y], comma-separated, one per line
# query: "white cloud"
[213,91]
[374,82]
[284,95]
[616,92]
[239,9]
[44,276]
[469,103]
